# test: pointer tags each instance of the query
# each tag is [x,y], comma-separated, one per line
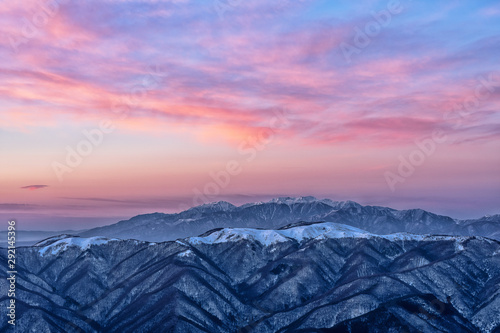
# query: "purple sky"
[114,108]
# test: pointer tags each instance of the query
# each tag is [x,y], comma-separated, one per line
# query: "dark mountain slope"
[321,277]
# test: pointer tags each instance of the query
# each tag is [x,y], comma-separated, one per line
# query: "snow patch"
[186,253]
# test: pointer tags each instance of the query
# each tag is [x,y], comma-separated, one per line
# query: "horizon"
[112,109]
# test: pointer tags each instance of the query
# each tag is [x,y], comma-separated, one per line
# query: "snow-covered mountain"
[487,225]
[283,211]
[305,277]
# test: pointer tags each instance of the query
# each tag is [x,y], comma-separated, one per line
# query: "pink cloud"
[227,78]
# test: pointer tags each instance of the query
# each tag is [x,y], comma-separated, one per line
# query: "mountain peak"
[345,204]
[215,206]
[292,200]
[310,199]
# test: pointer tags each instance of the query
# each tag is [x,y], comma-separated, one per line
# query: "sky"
[114,108]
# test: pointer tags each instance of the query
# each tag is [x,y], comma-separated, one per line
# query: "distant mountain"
[307,277]
[282,211]
[30,237]
[487,225]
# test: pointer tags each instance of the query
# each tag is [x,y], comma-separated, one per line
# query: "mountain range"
[286,265]
[304,277]
[283,211]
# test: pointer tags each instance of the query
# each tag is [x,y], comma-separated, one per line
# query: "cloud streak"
[34,187]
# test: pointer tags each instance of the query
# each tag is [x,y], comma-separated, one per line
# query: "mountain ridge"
[282,211]
[301,231]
